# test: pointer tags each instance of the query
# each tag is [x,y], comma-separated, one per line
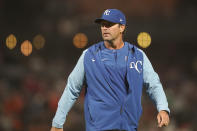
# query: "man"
[114,72]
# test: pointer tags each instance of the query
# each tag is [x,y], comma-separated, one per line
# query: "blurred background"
[41,41]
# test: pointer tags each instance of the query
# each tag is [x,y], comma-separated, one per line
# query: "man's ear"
[122,28]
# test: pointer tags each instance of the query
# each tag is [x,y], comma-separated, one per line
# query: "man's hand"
[56,129]
[163,119]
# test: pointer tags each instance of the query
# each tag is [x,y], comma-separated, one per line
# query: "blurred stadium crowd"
[30,87]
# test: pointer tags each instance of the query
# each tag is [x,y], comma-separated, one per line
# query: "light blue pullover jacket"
[114,80]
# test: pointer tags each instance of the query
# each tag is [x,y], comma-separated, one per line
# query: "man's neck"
[114,44]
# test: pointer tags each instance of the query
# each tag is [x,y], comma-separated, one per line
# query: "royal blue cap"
[112,15]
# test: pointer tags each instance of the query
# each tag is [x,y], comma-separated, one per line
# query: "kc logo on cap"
[106,12]
[112,15]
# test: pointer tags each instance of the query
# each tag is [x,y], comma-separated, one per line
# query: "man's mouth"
[106,34]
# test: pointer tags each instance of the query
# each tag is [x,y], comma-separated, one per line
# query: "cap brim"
[98,20]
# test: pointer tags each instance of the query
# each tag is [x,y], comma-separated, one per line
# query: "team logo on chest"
[136,65]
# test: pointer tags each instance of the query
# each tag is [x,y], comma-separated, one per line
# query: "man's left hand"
[163,118]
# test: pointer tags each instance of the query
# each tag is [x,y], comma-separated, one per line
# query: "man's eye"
[106,25]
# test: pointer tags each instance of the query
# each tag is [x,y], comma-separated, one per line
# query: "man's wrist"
[166,111]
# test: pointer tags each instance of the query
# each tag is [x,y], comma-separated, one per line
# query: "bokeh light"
[38,41]
[26,48]
[80,40]
[11,41]
[144,39]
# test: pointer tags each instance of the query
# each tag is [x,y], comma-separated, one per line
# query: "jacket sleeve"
[154,86]
[71,93]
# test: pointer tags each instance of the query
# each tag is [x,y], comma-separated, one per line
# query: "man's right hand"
[56,129]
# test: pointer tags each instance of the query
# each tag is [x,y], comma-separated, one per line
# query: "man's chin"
[106,39]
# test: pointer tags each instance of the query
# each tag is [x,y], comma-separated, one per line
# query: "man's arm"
[70,94]
[156,92]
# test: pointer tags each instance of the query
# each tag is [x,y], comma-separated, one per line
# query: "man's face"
[110,31]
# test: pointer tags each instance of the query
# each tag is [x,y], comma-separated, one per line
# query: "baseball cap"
[112,15]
